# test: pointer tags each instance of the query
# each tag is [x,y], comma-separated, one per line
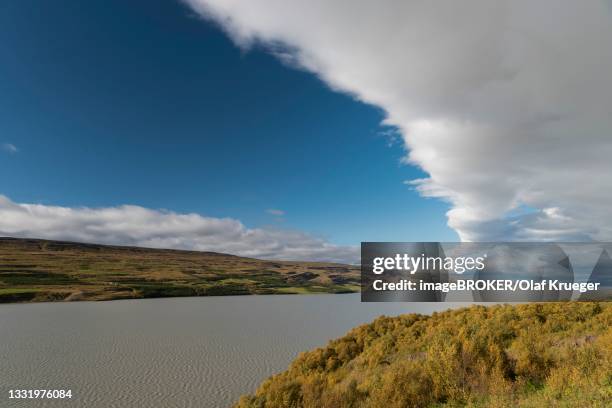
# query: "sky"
[295,130]
[143,103]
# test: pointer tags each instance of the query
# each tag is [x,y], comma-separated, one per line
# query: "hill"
[41,270]
[530,355]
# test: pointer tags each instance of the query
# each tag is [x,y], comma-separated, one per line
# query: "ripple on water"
[181,352]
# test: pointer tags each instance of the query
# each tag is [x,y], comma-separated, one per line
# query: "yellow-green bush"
[531,355]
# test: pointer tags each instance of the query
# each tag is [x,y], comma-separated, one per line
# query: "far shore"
[34,270]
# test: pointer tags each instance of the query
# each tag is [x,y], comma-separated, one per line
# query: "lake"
[172,352]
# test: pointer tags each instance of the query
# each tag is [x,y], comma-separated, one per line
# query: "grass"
[38,270]
[9,291]
[294,290]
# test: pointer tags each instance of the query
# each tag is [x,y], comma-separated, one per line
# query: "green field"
[34,270]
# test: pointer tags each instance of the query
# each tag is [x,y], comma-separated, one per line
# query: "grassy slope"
[532,355]
[39,270]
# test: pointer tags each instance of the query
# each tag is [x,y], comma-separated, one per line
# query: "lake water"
[175,352]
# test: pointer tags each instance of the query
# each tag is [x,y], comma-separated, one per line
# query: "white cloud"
[505,104]
[139,226]
[9,148]
[275,212]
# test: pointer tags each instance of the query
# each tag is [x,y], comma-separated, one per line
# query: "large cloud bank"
[507,105]
[139,226]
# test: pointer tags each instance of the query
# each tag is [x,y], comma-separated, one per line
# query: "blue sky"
[142,102]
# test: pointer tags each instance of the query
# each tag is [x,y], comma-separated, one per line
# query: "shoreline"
[111,299]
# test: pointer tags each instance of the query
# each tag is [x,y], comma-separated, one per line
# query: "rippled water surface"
[180,352]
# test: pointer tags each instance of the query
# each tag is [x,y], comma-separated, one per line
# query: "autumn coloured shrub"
[530,355]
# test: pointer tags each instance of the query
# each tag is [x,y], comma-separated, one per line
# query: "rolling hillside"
[38,270]
[529,355]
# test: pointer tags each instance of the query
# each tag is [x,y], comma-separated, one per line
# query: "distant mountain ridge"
[43,270]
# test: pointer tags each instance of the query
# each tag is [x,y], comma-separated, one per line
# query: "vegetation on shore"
[529,355]
[38,270]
